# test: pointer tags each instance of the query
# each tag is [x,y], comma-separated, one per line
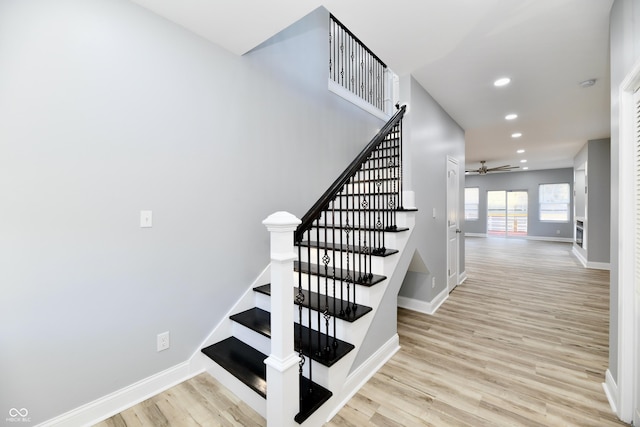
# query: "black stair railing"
[338,237]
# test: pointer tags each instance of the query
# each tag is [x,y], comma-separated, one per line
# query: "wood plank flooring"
[523,342]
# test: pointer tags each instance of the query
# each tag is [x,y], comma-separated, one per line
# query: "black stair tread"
[318,303]
[247,364]
[343,248]
[340,227]
[375,210]
[260,321]
[243,361]
[313,397]
[339,273]
[362,195]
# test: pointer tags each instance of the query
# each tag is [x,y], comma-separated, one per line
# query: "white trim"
[589,264]
[358,378]
[116,402]
[611,391]
[627,359]
[356,100]
[580,256]
[426,307]
[598,265]
[463,277]
[550,239]
[475,235]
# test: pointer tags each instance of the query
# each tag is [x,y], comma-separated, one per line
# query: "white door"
[453,227]
[636,350]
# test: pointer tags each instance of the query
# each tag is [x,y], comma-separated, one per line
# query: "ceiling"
[456,49]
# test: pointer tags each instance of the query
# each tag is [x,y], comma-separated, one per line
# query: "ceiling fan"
[484,169]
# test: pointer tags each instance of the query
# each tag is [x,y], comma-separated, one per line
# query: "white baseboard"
[118,401]
[475,234]
[360,376]
[598,265]
[551,239]
[423,306]
[580,257]
[611,391]
[590,264]
[462,277]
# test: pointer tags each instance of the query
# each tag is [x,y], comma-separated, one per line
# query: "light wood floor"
[523,342]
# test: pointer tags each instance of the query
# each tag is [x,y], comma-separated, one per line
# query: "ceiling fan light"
[587,83]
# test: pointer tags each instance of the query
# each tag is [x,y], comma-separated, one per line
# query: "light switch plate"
[146,219]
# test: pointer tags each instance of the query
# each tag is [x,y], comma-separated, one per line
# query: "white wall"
[431,136]
[107,109]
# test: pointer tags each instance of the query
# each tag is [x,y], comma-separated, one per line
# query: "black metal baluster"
[319,294]
[342,311]
[309,309]
[300,301]
[400,179]
[333,241]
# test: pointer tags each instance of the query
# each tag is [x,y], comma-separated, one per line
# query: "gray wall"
[108,109]
[524,181]
[432,136]
[624,38]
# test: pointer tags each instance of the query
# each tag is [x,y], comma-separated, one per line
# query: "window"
[554,201]
[471,199]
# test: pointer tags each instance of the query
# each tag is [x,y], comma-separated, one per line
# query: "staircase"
[335,264]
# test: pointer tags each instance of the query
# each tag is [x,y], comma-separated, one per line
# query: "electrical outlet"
[163,341]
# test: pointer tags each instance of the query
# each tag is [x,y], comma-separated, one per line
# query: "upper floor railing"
[354,66]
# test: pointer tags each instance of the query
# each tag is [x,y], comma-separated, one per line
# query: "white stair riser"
[356,219]
[252,338]
[376,265]
[391,239]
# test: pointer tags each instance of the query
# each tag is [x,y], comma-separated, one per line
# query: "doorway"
[507,213]
[453,226]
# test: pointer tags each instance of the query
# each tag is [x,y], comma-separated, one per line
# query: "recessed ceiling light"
[523,161]
[503,81]
[516,135]
[525,168]
[520,151]
[511,116]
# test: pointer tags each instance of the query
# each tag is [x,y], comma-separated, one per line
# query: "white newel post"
[282,363]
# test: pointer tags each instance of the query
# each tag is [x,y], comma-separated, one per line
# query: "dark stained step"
[247,364]
[375,210]
[340,274]
[343,248]
[313,397]
[260,321]
[243,361]
[340,227]
[318,303]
